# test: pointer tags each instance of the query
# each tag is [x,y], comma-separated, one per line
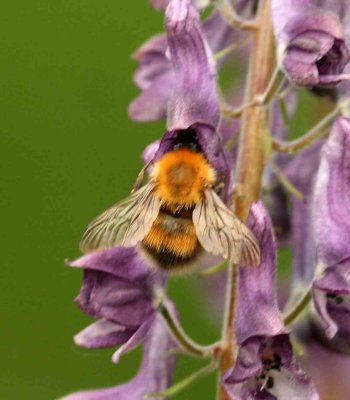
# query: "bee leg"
[140,178]
[218,187]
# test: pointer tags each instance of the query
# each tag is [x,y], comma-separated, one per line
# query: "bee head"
[186,139]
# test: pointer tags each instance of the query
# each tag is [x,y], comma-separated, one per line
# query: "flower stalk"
[298,308]
[320,129]
[251,152]
[179,334]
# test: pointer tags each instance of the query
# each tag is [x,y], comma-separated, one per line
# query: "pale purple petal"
[301,172]
[103,333]
[155,78]
[134,340]
[310,42]
[273,194]
[155,75]
[332,196]
[118,285]
[257,285]
[194,97]
[332,229]
[150,105]
[344,12]
[266,367]
[155,373]
[329,299]
[122,262]
[124,302]
[150,152]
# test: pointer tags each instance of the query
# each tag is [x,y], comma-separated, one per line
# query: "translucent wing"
[219,231]
[126,223]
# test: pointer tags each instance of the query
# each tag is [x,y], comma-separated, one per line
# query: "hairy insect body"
[176,215]
[180,177]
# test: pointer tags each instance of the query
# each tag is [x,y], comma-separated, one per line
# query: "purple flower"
[344,12]
[193,109]
[310,42]
[307,218]
[120,289]
[273,194]
[157,73]
[301,172]
[331,206]
[155,374]
[266,367]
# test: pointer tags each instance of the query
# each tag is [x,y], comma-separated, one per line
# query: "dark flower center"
[334,298]
[271,362]
[329,63]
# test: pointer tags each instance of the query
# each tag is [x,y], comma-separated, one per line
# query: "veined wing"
[219,231]
[126,223]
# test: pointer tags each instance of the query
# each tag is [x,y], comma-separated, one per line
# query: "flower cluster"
[304,201]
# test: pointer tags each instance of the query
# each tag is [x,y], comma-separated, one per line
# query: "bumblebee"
[176,216]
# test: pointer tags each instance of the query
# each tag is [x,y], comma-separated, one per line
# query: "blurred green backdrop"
[68,151]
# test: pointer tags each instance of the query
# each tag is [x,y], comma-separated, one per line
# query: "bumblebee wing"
[126,223]
[219,231]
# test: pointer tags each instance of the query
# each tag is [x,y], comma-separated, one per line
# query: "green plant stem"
[272,89]
[286,183]
[231,17]
[299,307]
[316,132]
[181,385]
[250,162]
[214,269]
[180,335]
[230,49]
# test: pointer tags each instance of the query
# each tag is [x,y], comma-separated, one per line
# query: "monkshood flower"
[156,76]
[193,109]
[122,291]
[155,373]
[331,226]
[266,367]
[301,172]
[273,194]
[310,42]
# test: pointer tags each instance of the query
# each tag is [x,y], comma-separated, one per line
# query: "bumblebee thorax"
[181,176]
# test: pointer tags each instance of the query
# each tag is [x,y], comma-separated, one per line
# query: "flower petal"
[105,296]
[194,97]
[102,333]
[257,285]
[155,373]
[137,338]
[155,75]
[123,262]
[332,229]
[310,43]
[332,196]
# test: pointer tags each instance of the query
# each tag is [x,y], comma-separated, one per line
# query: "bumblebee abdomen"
[172,242]
[169,260]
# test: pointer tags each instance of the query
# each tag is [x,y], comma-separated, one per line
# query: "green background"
[68,151]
